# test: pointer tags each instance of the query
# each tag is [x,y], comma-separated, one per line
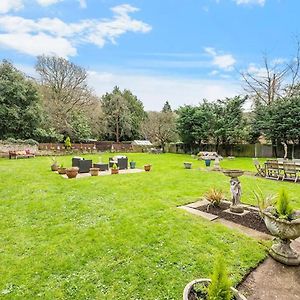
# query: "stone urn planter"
[190,294]
[284,231]
[61,170]
[94,171]
[72,172]
[54,167]
[187,165]
[235,189]
[147,168]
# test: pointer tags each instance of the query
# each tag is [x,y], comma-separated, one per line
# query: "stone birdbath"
[235,189]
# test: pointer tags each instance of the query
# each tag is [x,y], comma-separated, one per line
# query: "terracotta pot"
[147,168]
[285,231]
[94,171]
[72,172]
[205,281]
[61,170]
[54,167]
[114,171]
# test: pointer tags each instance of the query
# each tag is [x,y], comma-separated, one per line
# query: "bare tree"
[64,88]
[160,127]
[274,80]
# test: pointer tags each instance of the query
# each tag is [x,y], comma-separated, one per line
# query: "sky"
[180,51]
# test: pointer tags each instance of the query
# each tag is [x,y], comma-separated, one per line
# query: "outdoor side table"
[102,167]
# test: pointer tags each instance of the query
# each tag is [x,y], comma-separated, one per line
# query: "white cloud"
[257,2]
[222,61]
[67,35]
[154,90]
[10,5]
[82,3]
[48,2]
[38,44]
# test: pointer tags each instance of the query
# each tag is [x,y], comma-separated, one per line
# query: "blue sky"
[176,50]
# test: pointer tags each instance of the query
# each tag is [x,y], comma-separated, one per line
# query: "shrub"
[68,144]
[283,207]
[214,196]
[31,142]
[114,166]
[219,289]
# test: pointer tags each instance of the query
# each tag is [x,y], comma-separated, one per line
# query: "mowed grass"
[116,237]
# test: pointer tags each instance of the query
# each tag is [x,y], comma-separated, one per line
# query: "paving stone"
[202,214]
[198,203]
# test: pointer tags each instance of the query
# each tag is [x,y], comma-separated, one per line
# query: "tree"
[160,128]
[64,89]
[116,114]
[81,130]
[275,80]
[123,114]
[19,103]
[167,107]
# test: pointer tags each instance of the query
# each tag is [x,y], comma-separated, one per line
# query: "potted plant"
[187,165]
[54,166]
[147,168]
[284,223]
[218,287]
[132,164]
[207,162]
[61,170]
[94,171]
[114,169]
[72,172]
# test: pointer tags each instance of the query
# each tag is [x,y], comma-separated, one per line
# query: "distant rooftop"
[142,143]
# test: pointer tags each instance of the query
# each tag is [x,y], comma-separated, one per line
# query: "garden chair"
[290,171]
[259,168]
[272,169]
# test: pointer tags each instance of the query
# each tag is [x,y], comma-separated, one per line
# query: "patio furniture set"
[84,165]
[279,169]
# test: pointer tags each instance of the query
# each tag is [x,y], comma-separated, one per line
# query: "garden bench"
[20,154]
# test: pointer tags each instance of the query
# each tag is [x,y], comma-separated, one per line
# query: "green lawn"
[116,237]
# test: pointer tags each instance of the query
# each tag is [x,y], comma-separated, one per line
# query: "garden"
[120,236]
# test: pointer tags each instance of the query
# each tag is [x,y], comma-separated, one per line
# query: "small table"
[101,166]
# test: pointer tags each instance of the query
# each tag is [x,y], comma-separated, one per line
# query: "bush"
[214,196]
[31,142]
[68,144]
[219,289]
[48,135]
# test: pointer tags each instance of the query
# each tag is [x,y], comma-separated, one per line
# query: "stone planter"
[94,171]
[72,172]
[284,231]
[187,165]
[114,171]
[147,168]
[61,170]
[54,167]
[189,290]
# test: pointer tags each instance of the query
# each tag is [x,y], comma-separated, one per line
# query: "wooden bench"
[20,154]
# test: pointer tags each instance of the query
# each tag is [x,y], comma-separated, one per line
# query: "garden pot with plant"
[147,168]
[284,223]
[132,164]
[114,169]
[218,287]
[61,170]
[72,172]
[207,162]
[94,171]
[54,166]
[187,165]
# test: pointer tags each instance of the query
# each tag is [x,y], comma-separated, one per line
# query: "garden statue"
[217,164]
[235,189]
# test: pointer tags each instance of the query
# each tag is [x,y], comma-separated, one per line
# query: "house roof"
[142,143]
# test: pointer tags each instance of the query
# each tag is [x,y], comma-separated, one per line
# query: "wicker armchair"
[84,165]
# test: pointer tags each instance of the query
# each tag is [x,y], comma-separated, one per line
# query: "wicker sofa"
[84,165]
